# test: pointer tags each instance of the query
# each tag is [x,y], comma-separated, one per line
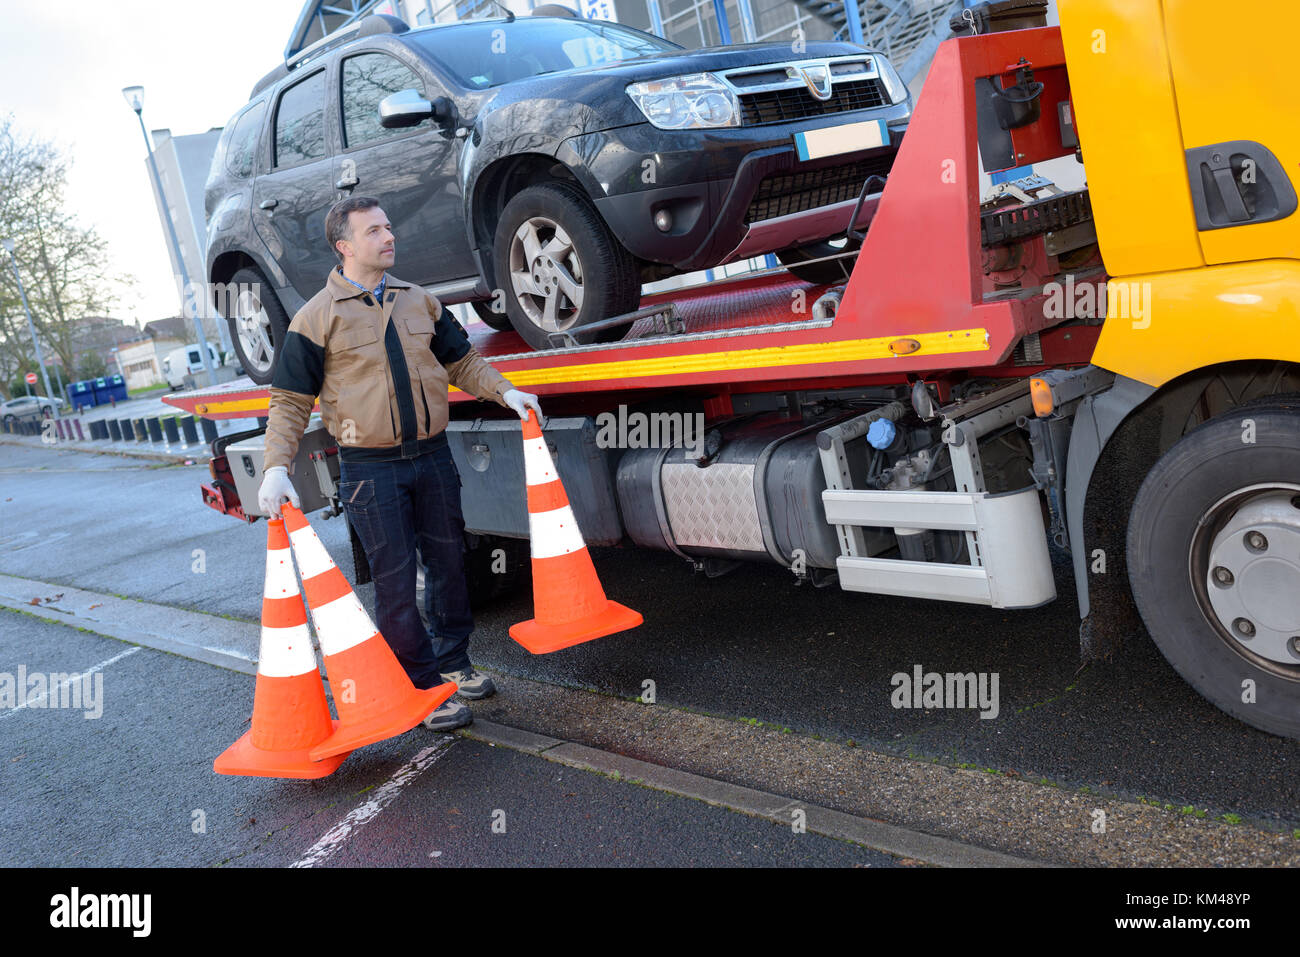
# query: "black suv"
[542,167]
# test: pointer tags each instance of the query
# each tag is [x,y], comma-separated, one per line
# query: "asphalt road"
[133,785]
[750,645]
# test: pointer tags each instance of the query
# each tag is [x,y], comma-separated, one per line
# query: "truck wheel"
[833,271]
[1214,562]
[500,321]
[560,266]
[258,326]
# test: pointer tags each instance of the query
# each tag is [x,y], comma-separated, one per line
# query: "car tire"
[259,325]
[500,321]
[1185,557]
[830,272]
[571,251]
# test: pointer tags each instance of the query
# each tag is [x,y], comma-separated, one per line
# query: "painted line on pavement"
[383,795]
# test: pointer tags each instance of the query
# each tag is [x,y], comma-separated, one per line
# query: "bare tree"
[63,263]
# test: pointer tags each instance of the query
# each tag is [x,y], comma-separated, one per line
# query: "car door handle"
[269,203]
[347,183]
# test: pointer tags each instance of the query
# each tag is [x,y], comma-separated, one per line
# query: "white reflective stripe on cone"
[280,582]
[554,532]
[539,468]
[286,652]
[341,624]
[311,554]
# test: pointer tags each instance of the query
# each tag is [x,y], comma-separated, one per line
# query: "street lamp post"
[31,326]
[135,99]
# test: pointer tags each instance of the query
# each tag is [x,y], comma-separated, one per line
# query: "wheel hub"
[253,326]
[1253,579]
[545,274]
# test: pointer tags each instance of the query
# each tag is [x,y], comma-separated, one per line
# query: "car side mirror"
[404,108]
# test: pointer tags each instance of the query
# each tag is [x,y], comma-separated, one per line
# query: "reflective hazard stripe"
[341,624]
[286,652]
[539,468]
[554,533]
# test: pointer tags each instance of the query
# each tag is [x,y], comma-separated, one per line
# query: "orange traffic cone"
[568,602]
[373,695]
[290,713]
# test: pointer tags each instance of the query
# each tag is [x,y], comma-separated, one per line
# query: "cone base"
[405,716]
[542,639]
[244,758]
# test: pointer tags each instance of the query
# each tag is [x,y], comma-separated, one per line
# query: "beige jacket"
[339,348]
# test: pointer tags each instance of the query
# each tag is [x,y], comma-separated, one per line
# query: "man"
[380,353]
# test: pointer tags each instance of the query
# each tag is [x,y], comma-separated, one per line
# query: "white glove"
[276,487]
[521,402]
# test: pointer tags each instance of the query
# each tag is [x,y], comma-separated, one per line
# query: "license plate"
[849,138]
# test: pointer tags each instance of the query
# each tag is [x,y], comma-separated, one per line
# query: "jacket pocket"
[421,328]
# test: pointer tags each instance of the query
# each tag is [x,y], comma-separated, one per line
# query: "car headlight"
[697,101]
[897,89]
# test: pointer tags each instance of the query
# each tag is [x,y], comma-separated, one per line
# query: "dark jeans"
[395,507]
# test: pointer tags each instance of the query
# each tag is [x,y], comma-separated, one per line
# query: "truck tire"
[831,272]
[551,249]
[500,321]
[1214,561]
[259,326]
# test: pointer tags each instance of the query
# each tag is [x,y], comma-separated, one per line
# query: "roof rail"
[374,24]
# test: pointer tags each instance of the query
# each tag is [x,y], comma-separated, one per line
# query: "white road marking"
[63,684]
[383,796]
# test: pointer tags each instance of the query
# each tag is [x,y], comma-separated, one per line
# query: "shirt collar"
[341,287]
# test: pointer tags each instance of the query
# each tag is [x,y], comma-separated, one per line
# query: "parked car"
[28,407]
[541,167]
[186,360]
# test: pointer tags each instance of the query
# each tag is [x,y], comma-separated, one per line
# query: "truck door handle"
[1237,183]
[346,182]
[268,204]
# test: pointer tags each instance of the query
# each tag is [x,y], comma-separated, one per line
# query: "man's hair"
[336,220]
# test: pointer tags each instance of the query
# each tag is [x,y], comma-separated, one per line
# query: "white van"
[185,361]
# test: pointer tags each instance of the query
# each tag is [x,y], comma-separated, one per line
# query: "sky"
[62,69]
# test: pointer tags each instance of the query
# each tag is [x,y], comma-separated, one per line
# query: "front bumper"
[731,193]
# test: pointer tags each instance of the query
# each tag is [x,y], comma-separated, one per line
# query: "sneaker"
[450,714]
[471,684]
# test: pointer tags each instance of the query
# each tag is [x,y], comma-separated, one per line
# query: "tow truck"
[1109,373]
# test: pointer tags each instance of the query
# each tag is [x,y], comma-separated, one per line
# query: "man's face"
[371,245]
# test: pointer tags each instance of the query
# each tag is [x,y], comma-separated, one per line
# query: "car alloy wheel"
[253,327]
[546,274]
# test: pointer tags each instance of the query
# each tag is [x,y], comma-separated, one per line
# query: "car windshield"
[492,52]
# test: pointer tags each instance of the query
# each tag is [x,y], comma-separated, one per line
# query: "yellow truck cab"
[1188,469]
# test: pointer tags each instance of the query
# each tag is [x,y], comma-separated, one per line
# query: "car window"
[243,141]
[367,79]
[300,122]
[481,55]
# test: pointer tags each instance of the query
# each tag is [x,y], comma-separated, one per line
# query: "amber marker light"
[1041,393]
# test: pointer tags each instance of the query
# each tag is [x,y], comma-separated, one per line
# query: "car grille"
[796,103]
[787,193]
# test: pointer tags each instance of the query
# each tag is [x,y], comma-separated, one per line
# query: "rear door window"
[300,123]
[242,149]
